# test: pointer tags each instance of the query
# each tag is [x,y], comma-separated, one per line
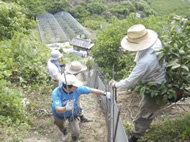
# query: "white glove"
[108,95]
[69,105]
[113,83]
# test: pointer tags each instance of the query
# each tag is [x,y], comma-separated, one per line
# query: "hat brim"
[68,69]
[57,57]
[77,83]
[142,44]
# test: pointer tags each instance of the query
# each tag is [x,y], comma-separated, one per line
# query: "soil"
[130,106]
[44,130]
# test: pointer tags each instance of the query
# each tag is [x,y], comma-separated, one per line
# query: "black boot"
[65,135]
[133,139]
[64,131]
[75,139]
[83,119]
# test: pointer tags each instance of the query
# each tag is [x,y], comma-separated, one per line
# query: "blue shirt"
[60,98]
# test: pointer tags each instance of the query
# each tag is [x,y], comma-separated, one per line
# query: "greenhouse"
[60,27]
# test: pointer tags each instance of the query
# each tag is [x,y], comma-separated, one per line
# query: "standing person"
[75,68]
[65,106]
[54,67]
[148,69]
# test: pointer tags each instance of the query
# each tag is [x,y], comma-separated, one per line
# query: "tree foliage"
[22,60]
[166,7]
[169,130]
[176,52]
[12,106]
[80,12]
[13,20]
[95,8]
[106,50]
[57,6]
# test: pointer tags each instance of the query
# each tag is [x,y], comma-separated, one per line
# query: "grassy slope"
[165,7]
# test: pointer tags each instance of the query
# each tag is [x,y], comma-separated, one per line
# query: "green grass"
[170,130]
[165,7]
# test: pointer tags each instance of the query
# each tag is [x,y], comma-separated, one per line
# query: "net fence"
[60,27]
[116,131]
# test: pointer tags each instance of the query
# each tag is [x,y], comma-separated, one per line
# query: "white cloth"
[69,105]
[53,70]
[108,95]
[138,54]
[147,68]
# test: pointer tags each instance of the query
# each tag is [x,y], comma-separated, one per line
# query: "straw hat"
[55,55]
[75,67]
[138,38]
[71,80]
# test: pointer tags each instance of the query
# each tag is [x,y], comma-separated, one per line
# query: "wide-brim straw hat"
[75,67]
[55,55]
[71,80]
[138,38]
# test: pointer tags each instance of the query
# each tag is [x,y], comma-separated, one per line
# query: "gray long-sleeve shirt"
[147,69]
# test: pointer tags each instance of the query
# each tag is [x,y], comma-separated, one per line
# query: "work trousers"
[148,110]
[74,126]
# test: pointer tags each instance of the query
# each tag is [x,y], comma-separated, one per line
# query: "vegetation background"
[24,80]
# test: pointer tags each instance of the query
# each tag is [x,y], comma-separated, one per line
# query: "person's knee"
[75,129]
[59,123]
[76,132]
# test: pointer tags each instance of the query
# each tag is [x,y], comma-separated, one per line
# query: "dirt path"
[95,131]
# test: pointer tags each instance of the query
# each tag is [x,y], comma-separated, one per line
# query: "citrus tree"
[176,52]
[13,20]
[107,43]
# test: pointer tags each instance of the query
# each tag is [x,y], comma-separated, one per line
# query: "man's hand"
[113,83]
[62,65]
[69,105]
[108,95]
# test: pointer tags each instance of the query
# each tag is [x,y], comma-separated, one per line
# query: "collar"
[65,91]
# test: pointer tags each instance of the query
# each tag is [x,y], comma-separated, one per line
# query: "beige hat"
[55,55]
[138,38]
[75,67]
[71,80]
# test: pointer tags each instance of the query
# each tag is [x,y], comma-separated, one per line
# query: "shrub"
[12,105]
[169,130]
[22,60]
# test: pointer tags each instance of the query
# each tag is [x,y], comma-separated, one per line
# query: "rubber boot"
[133,139]
[83,119]
[75,139]
[65,135]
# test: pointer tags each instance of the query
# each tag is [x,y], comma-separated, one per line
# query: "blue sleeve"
[56,99]
[84,90]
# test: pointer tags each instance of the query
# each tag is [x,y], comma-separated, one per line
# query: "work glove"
[108,95]
[69,105]
[113,83]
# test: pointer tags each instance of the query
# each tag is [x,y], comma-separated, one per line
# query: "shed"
[80,44]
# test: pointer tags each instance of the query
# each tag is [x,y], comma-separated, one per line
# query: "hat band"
[133,40]
[76,69]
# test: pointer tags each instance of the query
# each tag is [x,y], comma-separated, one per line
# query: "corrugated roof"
[79,42]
